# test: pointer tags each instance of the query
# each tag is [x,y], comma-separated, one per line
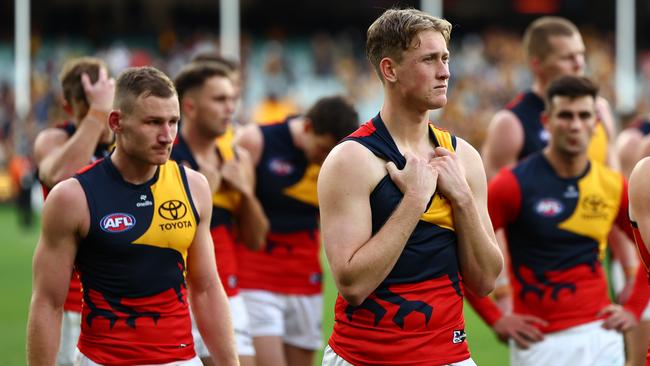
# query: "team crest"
[549,207]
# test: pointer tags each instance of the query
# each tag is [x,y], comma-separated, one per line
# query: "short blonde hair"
[393,32]
[537,35]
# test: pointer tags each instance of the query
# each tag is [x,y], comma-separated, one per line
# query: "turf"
[15,284]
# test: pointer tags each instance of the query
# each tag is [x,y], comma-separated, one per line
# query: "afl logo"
[117,222]
[172,210]
[549,207]
[280,167]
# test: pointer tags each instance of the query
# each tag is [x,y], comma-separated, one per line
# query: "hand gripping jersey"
[528,108]
[415,316]
[225,202]
[73,299]
[132,266]
[557,233]
[286,188]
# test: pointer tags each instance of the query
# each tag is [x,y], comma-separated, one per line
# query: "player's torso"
[420,302]
[558,239]
[132,266]
[286,189]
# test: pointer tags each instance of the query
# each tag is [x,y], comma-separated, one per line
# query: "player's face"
[215,105]
[567,57]
[318,146]
[147,133]
[571,123]
[423,73]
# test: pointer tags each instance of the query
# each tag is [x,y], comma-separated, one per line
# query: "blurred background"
[292,53]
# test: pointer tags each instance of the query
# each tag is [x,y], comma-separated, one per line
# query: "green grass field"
[15,286]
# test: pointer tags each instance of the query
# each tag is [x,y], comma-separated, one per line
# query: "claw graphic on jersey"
[405,307]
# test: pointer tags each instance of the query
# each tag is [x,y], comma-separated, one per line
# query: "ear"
[387,68]
[535,64]
[114,121]
[307,126]
[188,108]
[67,107]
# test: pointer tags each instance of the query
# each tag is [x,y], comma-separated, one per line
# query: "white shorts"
[70,329]
[82,360]
[295,318]
[583,345]
[240,324]
[331,358]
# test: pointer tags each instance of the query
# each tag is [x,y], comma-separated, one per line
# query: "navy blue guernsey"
[132,266]
[282,168]
[528,108]
[417,310]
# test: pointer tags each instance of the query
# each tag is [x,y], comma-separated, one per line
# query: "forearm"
[478,253]
[624,250]
[369,265]
[212,314]
[253,224]
[76,153]
[43,332]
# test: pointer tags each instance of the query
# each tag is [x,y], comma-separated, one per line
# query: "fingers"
[535,320]
[608,310]
[441,151]
[85,82]
[392,169]
[103,74]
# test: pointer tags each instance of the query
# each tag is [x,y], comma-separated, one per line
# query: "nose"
[167,133]
[443,71]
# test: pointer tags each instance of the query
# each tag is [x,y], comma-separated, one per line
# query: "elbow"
[351,293]
[256,243]
[483,288]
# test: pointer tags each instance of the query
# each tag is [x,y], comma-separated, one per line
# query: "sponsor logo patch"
[117,222]
[459,336]
[280,167]
[172,210]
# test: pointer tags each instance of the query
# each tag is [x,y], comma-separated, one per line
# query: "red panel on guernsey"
[419,343]
[570,308]
[154,341]
[289,264]
[366,129]
[224,252]
[73,299]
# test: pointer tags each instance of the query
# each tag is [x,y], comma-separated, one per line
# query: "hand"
[619,319]
[235,174]
[100,94]
[418,178]
[521,328]
[451,175]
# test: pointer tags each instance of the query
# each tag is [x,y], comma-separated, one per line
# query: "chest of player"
[559,211]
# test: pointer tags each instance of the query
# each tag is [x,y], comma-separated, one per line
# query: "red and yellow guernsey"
[132,266]
[557,235]
[415,316]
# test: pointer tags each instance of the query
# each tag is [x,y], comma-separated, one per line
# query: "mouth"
[441,87]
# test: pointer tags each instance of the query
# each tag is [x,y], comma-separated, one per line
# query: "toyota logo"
[172,210]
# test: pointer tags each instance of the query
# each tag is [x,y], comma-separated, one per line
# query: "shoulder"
[641,171]
[250,137]
[48,140]
[199,188]
[350,161]
[70,198]
[504,119]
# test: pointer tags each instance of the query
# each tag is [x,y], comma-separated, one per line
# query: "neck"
[539,86]
[406,125]
[566,166]
[200,143]
[132,170]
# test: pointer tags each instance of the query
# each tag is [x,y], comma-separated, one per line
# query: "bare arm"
[639,193]
[607,119]
[207,297]
[461,179]
[503,142]
[359,260]
[252,223]
[59,157]
[52,267]
[627,149]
